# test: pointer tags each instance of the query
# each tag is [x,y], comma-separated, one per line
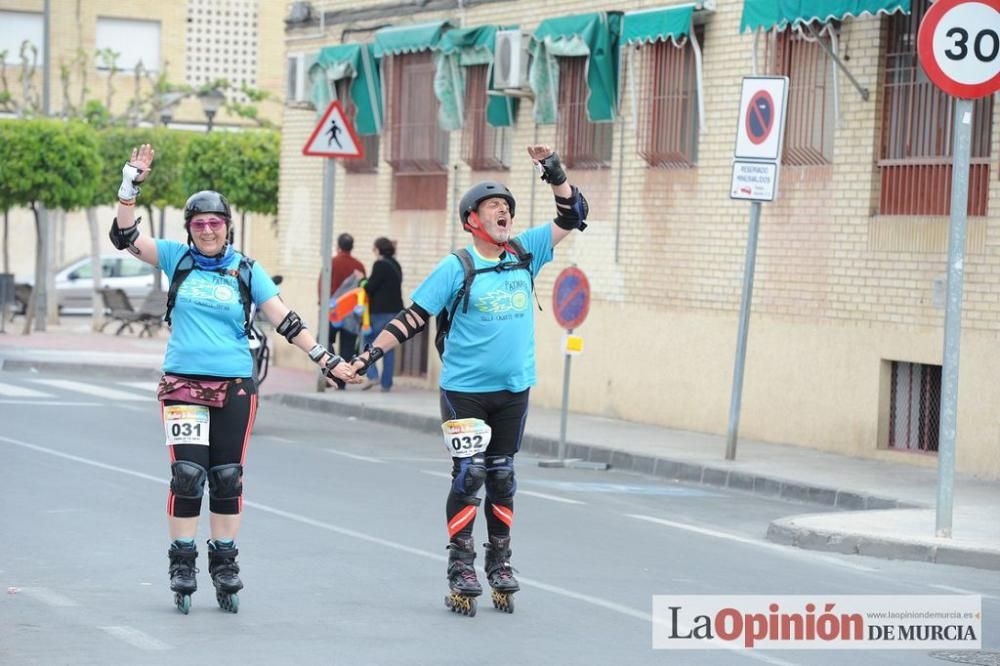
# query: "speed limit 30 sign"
[959,44]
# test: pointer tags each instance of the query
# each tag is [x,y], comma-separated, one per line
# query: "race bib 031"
[186,424]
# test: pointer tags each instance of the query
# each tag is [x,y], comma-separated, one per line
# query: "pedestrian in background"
[342,267]
[208,397]
[385,298]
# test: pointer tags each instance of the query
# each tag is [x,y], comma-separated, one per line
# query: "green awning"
[766,14]
[350,61]
[593,35]
[401,39]
[460,48]
[657,25]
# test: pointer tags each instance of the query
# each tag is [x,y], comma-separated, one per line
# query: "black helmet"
[206,201]
[480,192]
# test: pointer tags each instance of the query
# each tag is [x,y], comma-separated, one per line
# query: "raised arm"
[571,206]
[125,229]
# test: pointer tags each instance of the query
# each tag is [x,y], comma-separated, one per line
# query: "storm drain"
[978,658]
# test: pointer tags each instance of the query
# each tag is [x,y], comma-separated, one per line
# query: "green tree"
[49,163]
[243,166]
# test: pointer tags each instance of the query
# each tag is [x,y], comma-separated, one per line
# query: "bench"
[149,316]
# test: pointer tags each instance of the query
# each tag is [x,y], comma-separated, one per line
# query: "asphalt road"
[343,550]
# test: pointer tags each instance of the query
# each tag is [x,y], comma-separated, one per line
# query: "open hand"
[142,159]
[539,152]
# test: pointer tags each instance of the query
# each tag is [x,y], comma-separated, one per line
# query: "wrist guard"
[571,211]
[290,326]
[129,188]
[124,238]
[317,353]
[374,354]
[551,170]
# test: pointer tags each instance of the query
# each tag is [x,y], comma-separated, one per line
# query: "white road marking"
[48,597]
[135,638]
[12,391]
[353,456]
[554,498]
[812,555]
[147,387]
[91,389]
[959,590]
[50,403]
[279,439]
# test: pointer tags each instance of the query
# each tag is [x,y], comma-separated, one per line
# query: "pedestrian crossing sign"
[334,136]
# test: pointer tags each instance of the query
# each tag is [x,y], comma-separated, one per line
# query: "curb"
[666,468]
[89,369]
[784,531]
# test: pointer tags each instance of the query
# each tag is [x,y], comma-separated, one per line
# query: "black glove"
[552,171]
[374,354]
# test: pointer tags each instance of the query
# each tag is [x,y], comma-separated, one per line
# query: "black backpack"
[447,315]
[242,274]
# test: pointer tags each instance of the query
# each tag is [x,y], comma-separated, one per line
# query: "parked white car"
[75,284]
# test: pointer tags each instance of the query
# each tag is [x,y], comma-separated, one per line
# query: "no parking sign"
[759,132]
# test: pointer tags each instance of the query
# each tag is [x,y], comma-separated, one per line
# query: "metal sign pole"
[565,403]
[741,338]
[325,252]
[953,316]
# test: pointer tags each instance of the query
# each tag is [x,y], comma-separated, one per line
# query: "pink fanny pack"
[211,393]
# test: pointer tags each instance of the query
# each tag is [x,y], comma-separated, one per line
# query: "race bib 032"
[465,437]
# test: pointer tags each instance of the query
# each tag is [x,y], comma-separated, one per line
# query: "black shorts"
[503,411]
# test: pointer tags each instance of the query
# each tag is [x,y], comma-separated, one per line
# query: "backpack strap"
[469,267]
[181,271]
[244,277]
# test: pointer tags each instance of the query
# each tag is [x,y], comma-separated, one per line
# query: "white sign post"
[957,43]
[760,133]
[332,138]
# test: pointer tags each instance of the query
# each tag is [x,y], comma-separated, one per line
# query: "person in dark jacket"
[385,294]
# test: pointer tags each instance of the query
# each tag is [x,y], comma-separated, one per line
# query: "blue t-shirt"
[206,332]
[492,346]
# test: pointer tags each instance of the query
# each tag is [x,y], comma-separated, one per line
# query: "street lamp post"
[211,101]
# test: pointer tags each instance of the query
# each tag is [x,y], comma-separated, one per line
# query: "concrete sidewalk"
[888,508]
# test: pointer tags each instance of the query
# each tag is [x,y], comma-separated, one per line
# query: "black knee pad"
[500,481]
[225,481]
[468,476]
[187,479]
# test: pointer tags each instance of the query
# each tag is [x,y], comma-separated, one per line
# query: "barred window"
[418,148]
[582,144]
[914,407]
[810,122]
[918,129]
[668,104]
[484,147]
[369,144]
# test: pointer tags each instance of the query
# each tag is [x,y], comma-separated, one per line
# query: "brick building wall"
[840,291]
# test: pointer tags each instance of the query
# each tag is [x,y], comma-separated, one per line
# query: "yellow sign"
[572,344]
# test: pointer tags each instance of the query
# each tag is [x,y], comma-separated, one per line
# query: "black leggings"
[505,412]
[228,436]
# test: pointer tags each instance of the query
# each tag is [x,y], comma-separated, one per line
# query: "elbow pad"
[571,211]
[290,326]
[124,238]
[408,323]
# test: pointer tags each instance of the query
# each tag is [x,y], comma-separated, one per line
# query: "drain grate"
[977,658]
